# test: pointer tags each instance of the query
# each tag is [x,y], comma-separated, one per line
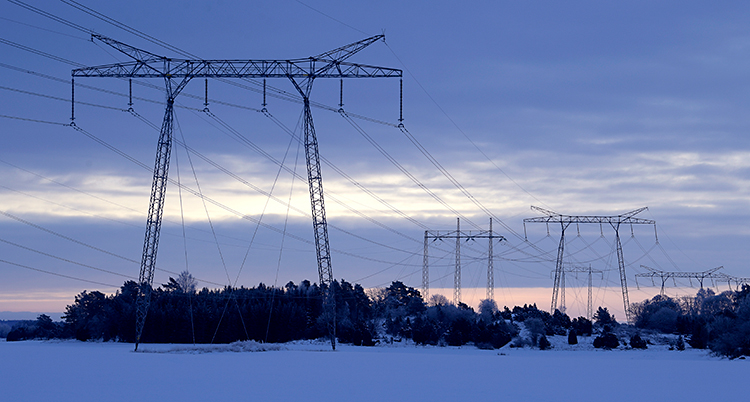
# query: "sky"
[581,108]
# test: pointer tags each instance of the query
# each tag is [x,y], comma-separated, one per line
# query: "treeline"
[720,322]
[179,314]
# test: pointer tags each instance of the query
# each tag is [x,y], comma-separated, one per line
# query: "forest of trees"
[179,313]
[720,322]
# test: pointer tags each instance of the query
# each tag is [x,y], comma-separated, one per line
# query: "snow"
[310,371]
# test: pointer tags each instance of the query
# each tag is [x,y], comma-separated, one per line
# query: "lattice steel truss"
[176,74]
[566,220]
[713,274]
[458,235]
[576,270]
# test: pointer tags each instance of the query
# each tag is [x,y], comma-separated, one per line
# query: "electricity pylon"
[576,270]
[615,221]
[176,74]
[664,276]
[458,235]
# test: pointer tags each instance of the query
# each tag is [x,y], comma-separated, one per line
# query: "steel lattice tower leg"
[562,292]
[623,279]
[558,269]
[590,305]
[153,223]
[425,269]
[490,268]
[457,273]
[320,225]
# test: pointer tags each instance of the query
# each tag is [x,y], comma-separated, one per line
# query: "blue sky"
[582,108]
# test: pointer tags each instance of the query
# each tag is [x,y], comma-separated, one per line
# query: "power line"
[65,259]
[39,52]
[5,116]
[58,274]
[52,16]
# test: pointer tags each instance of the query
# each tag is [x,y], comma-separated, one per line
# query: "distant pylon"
[458,235]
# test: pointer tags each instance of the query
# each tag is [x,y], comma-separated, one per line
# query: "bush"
[42,328]
[637,343]
[536,327]
[460,332]
[424,331]
[493,336]
[583,326]
[699,337]
[659,313]
[606,340]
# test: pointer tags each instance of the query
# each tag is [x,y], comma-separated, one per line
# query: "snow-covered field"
[75,371]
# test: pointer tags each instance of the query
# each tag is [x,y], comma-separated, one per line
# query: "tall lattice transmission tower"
[615,221]
[176,74]
[458,235]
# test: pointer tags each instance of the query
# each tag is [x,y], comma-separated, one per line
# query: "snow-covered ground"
[310,371]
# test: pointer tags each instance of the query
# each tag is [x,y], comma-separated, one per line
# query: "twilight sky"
[581,108]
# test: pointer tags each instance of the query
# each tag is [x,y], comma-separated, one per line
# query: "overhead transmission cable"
[227,208]
[265,206]
[360,116]
[404,170]
[184,244]
[84,244]
[88,194]
[283,238]
[257,149]
[421,148]
[205,207]
[57,274]
[64,259]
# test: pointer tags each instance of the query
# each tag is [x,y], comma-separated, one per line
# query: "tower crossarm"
[582,269]
[464,234]
[130,51]
[707,274]
[344,52]
[149,65]
[554,217]
[182,68]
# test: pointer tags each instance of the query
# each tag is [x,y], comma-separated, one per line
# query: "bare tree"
[487,310]
[438,300]
[187,282]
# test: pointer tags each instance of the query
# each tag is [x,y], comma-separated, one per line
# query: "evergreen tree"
[544,343]
[572,337]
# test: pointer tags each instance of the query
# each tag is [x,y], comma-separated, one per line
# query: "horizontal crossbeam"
[469,235]
[554,217]
[149,65]
[176,68]
[710,274]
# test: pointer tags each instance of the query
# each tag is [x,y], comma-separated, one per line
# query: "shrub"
[607,340]
[536,327]
[583,326]
[637,343]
